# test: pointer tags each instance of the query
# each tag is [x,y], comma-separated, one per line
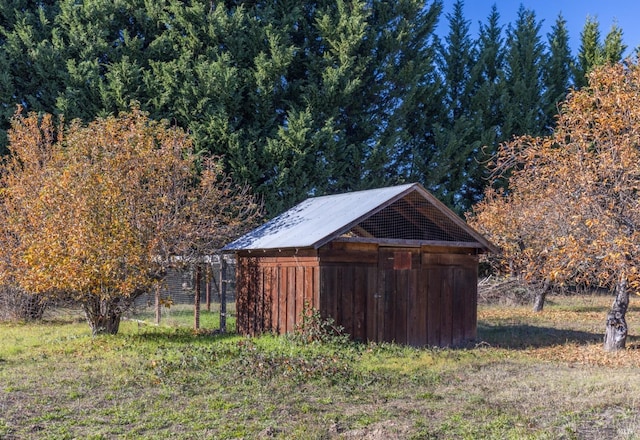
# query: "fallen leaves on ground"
[576,322]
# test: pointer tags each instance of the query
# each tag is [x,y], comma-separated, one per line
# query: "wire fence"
[173,304]
[185,288]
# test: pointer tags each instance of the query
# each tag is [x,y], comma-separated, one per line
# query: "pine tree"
[31,59]
[590,51]
[522,99]
[488,79]
[613,48]
[557,72]
[452,175]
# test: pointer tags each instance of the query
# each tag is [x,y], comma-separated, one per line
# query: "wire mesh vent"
[411,218]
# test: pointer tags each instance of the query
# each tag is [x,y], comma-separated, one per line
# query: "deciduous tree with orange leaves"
[572,210]
[98,212]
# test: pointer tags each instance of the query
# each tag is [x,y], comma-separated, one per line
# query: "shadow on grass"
[184,336]
[596,308]
[521,336]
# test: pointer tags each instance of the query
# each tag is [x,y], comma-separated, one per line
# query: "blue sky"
[626,13]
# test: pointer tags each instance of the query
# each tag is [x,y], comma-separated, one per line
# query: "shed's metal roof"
[318,220]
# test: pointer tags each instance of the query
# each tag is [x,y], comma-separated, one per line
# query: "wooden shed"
[391,264]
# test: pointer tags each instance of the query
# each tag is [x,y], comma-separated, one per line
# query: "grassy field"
[538,376]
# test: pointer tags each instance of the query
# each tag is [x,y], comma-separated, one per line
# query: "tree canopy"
[98,212]
[572,212]
[297,98]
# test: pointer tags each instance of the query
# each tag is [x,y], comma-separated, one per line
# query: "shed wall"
[409,295]
[271,291]
[348,286]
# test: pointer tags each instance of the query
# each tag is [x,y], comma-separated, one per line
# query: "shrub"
[314,328]
[16,304]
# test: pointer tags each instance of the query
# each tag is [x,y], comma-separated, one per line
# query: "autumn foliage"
[98,212]
[572,212]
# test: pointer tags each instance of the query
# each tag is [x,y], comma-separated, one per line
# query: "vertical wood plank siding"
[415,296]
[452,297]
[272,291]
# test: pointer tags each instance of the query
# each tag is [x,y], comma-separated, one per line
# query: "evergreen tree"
[223,74]
[301,98]
[451,176]
[590,51]
[31,59]
[408,93]
[614,48]
[456,63]
[105,42]
[6,98]
[525,57]
[488,79]
[593,52]
[557,72]
[339,95]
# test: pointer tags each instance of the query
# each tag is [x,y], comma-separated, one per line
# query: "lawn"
[529,376]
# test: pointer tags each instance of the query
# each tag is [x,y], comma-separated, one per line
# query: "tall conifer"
[593,52]
[614,48]
[409,90]
[557,72]
[488,80]
[32,59]
[522,99]
[590,51]
[452,176]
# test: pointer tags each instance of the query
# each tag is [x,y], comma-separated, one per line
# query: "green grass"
[181,315]
[532,376]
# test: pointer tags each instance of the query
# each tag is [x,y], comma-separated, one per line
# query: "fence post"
[196,308]
[223,294]
[158,305]
[207,285]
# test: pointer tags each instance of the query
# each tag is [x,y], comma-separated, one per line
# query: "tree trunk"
[615,335]
[103,315]
[541,295]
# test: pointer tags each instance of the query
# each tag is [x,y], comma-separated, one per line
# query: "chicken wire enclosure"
[411,218]
[179,285]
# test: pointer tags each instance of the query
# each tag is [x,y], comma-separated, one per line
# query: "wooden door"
[451,288]
[398,297]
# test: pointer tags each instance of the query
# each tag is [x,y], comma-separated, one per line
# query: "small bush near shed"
[314,328]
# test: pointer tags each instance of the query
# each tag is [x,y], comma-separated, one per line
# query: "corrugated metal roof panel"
[311,222]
